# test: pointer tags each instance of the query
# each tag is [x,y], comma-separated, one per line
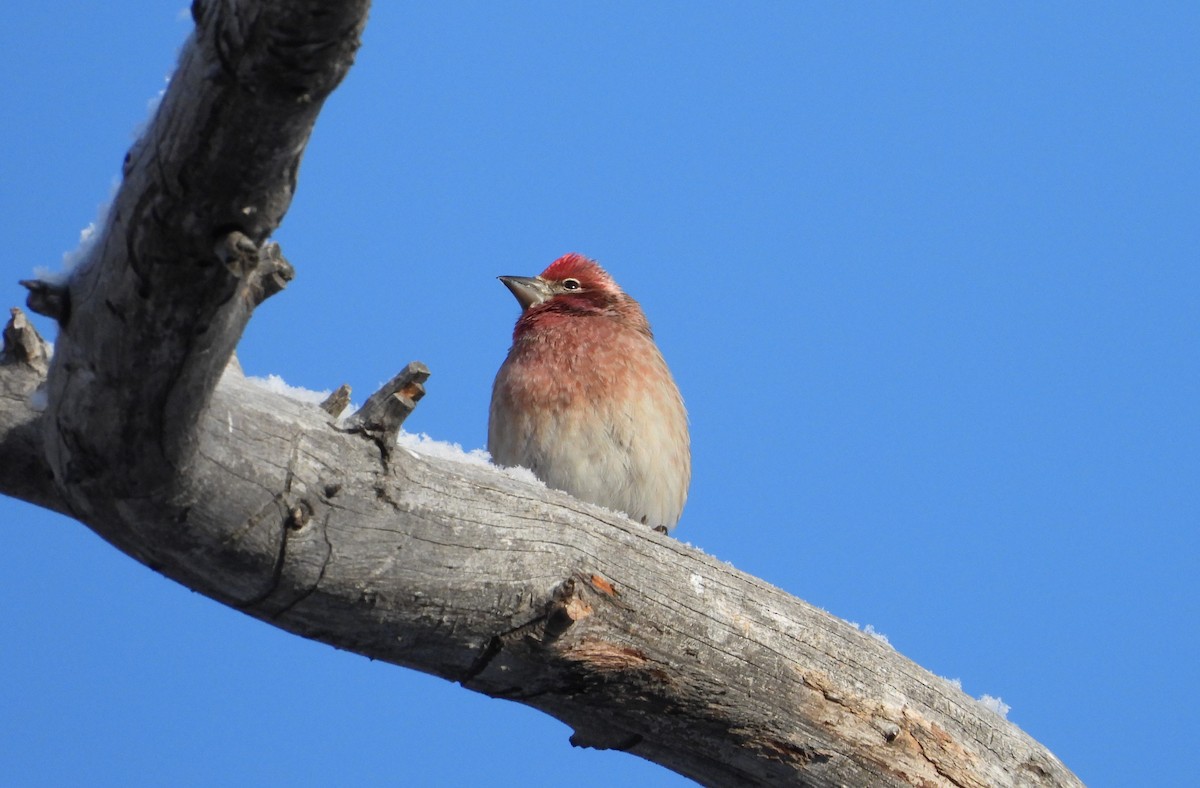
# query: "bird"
[585,400]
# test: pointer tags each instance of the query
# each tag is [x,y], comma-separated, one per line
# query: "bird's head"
[572,281]
[572,286]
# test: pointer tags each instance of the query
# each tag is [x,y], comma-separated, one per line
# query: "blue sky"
[928,277]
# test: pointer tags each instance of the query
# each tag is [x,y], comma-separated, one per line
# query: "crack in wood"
[303,595]
[931,745]
[296,516]
[561,611]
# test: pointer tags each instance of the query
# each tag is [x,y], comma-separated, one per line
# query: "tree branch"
[637,641]
[180,263]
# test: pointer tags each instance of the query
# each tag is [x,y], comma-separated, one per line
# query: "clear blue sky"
[927,274]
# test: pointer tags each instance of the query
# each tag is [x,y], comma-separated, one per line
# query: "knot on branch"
[385,410]
[565,608]
[24,345]
[506,654]
[263,268]
[570,604]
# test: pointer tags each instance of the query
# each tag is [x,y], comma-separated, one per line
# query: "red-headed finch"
[585,400]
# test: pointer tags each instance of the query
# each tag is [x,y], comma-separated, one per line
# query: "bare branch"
[156,442]
[182,259]
[636,640]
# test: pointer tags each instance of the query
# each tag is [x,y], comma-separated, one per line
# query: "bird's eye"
[571,284]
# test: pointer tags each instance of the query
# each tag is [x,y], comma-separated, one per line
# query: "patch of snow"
[697,584]
[882,638]
[872,631]
[277,385]
[995,705]
[992,704]
[88,238]
[518,473]
[152,105]
[421,444]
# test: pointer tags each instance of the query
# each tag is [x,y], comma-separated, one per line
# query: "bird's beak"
[529,290]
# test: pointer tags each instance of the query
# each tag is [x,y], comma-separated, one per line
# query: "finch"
[585,400]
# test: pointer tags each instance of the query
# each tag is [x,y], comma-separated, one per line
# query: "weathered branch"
[24,472]
[637,641]
[181,261]
[336,402]
[384,411]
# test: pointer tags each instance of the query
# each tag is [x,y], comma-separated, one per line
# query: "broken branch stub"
[336,402]
[264,267]
[386,409]
[23,344]
[48,299]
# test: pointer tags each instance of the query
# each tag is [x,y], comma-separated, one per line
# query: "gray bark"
[332,532]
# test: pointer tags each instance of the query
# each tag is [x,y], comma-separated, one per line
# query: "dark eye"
[571,284]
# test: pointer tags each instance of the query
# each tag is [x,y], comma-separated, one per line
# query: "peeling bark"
[150,438]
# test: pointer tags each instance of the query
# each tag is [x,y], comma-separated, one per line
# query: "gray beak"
[529,290]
